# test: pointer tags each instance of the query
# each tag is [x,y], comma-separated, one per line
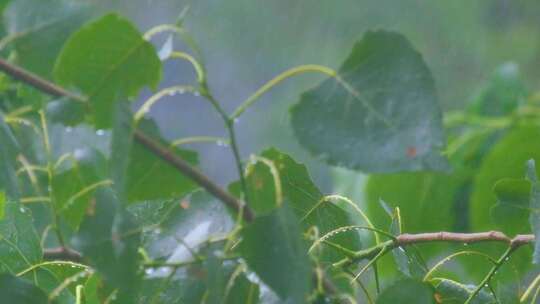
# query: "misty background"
[246,43]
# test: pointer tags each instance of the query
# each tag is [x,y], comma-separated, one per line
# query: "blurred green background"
[246,42]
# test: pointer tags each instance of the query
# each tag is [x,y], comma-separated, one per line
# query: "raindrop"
[69,129]
[465,244]
[22,210]
[100,132]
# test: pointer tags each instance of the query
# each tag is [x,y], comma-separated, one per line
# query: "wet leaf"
[451,292]
[108,60]
[273,249]
[407,291]
[381,115]
[19,244]
[18,291]
[109,240]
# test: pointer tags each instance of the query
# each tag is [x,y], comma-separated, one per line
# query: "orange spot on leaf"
[411,152]
[184,204]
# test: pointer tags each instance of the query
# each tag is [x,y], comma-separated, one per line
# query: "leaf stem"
[48,263]
[201,75]
[280,78]
[200,139]
[491,273]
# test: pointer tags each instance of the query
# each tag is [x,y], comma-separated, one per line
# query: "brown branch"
[158,149]
[490,236]
[432,237]
[36,81]
[62,253]
[195,175]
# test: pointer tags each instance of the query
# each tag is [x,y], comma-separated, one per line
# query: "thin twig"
[443,236]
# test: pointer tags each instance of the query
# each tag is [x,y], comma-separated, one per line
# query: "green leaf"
[66,112]
[107,60]
[151,178]
[512,207]
[50,277]
[109,240]
[73,186]
[272,247]
[534,207]
[194,219]
[243,291]
[504,92]
[40,28]
[451,292]
[426,200]
[8,154]
[409,260]
[381,115]
[506,159]
[19,244]
[2,204]
[121,144]
[407,291]
[18,291]
[301,194]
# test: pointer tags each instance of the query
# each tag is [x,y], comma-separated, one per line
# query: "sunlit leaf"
[273,249]
[107,60]
[382,115]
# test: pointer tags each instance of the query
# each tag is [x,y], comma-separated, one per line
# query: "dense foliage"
[97,207]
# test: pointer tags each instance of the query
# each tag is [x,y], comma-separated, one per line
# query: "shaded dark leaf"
[109,240]
[18,291]
[273,249]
